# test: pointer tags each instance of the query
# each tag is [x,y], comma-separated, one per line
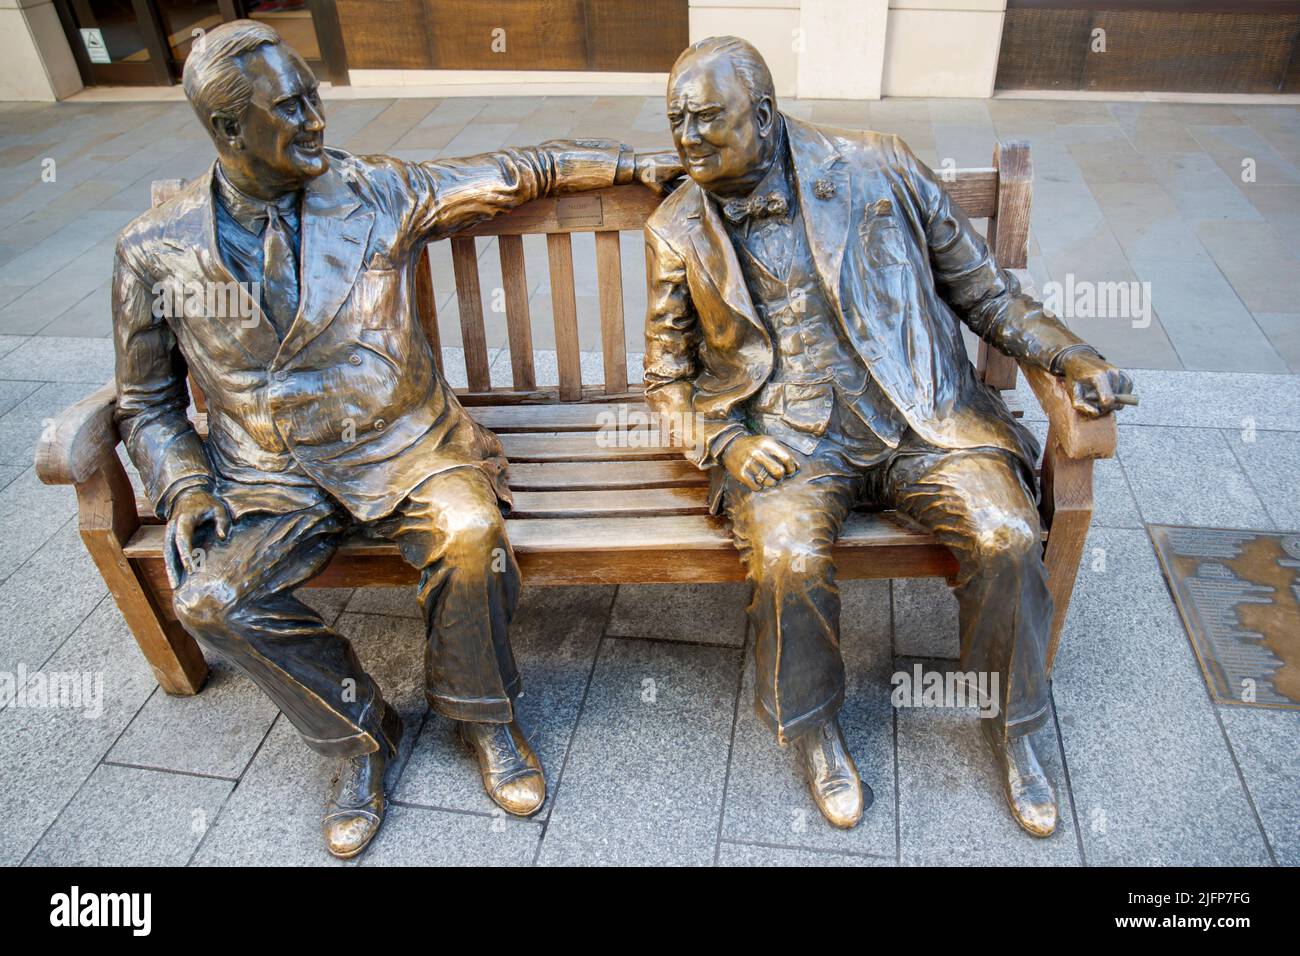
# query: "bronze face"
[724,139]
[278,144]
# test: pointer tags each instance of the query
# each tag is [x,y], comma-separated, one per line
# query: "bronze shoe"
[838,791]
[511,772]
[355,802]
[1028,791]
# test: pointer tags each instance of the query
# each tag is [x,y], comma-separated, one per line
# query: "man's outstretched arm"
[450,194]
[989,299]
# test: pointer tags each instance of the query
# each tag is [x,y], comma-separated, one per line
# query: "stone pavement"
[639,697]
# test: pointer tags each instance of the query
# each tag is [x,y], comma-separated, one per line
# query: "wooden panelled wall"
[1193,46]
[605,35]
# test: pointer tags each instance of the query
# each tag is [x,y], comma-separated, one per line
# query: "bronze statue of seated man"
[326,413]
[807,291]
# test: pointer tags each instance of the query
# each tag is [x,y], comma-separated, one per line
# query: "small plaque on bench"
[578,212]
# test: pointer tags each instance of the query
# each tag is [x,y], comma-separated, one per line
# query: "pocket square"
[882,207]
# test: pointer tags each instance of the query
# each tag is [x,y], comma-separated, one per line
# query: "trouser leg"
[785,534]
[240,603]
[978,504]
[450,528]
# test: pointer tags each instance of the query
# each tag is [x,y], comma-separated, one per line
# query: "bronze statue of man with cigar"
[807,291]
[327,414]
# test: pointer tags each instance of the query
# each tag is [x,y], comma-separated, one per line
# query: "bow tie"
[755,207]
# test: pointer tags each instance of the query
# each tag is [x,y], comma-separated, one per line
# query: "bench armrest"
[1077,435]
[80,440]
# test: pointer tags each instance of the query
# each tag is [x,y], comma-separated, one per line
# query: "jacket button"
[379,424]
[281,375]
[354,359]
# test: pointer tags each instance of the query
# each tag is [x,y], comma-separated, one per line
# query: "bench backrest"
[1000,193]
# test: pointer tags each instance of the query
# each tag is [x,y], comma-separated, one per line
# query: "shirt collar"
[250,212]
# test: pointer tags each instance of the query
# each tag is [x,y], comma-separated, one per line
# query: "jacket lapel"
[826,198]
[717,256]
[191,235]
[335,230]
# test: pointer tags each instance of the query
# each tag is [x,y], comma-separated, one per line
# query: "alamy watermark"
[977,690]
[213,300]
[633,427]
[1086,299]
[72,690]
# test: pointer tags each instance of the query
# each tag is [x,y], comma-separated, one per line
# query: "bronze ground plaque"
[1239,595]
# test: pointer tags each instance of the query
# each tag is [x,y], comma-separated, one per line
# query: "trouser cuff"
[377,727]
[1006,729]
[797,726]
[479,710]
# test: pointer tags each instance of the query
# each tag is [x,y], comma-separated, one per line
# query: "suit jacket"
[350,402]
[900,264]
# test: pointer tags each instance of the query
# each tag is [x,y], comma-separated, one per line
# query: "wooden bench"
[587,510]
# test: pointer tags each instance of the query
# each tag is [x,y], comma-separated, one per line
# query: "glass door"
[146,42]
[115,42]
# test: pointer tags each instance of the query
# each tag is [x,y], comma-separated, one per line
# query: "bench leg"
[107,519]
[1067,512]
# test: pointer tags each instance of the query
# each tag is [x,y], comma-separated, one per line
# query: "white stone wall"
[35,60]
[863,49]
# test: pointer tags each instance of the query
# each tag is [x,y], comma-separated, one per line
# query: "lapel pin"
[823,189]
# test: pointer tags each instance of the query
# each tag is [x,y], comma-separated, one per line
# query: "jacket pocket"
[884,241]
[376,297]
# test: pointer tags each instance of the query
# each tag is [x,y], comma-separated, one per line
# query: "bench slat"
[564,307]
[609,274]
[578,446]
[518,323]
[683,532]
[558,417]
[597,476]
[609,503]
[464,261]
[426,307]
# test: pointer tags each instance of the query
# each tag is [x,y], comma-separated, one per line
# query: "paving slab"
[418,836]
[124,816]
[703,613]
[1264,743]
[751,855]
[643,783]
[45,600]
[1153,780]
[49,752]
[1189,476]
[214,733]
[1271,461]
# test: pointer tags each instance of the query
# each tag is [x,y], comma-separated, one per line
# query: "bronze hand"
[758,461]
[192,509]
[1097,387]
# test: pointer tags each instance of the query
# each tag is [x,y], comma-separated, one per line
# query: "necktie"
[279,273]
[755,207]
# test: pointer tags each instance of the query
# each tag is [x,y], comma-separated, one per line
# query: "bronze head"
[258,101]
[722,111]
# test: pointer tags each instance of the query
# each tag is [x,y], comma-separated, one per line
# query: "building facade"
[860,49]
